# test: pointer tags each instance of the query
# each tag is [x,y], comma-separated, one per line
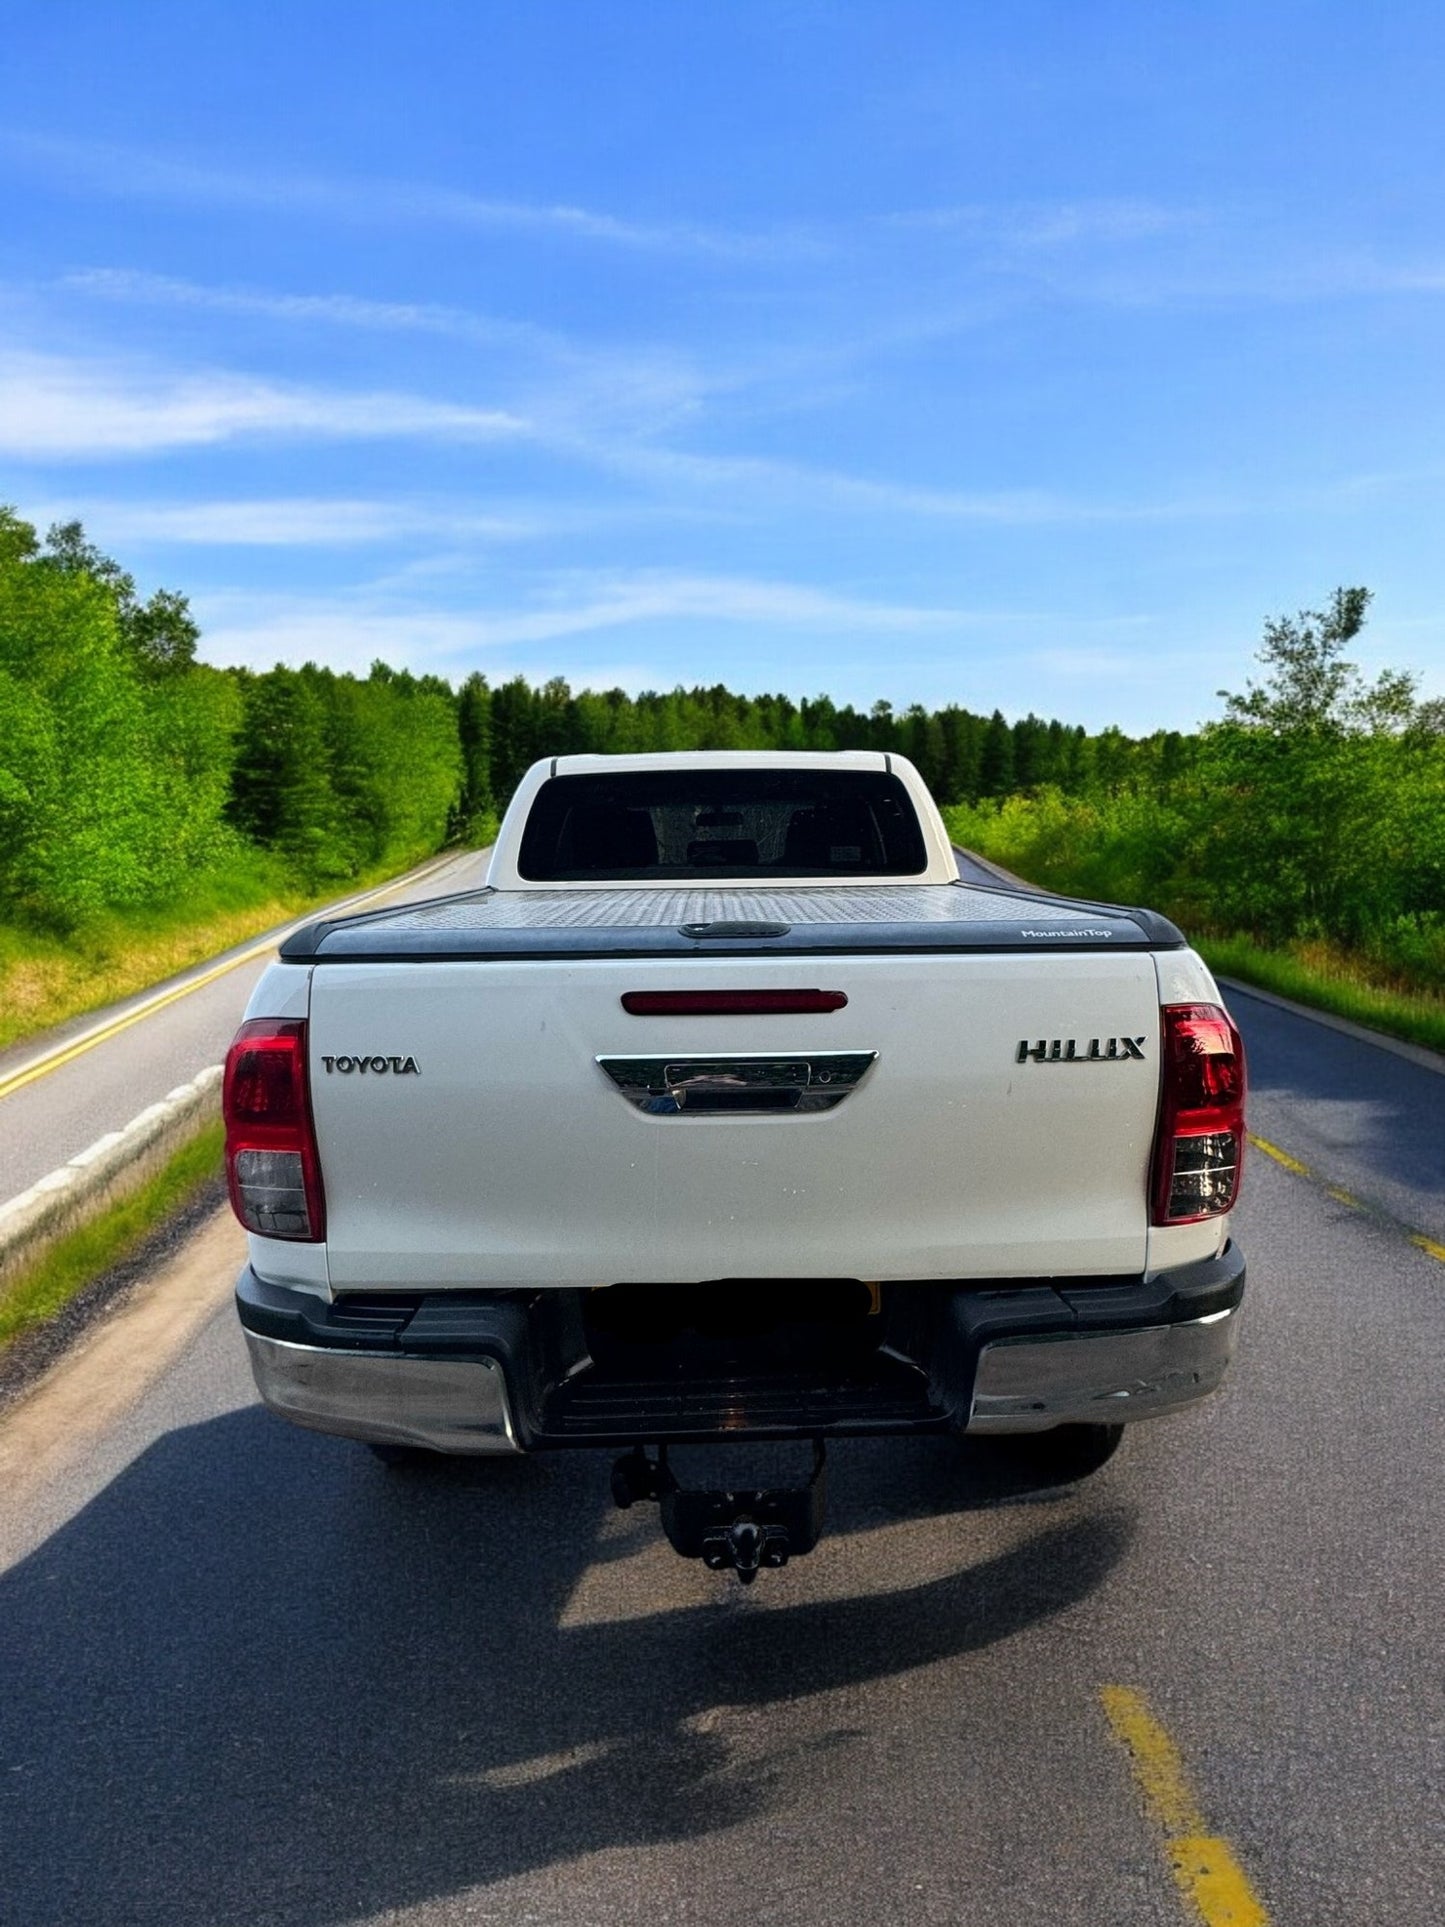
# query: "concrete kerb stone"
[103,1173]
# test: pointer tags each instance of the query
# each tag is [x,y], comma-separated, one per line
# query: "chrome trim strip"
[446,1404]
[1109,1378]
[741,1082]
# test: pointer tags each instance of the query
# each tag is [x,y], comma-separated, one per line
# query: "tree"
[514,736]
[1325,797]
[996,758]
[1031,741]
[474,730]
[282,795]
[161,633]
[111,779]
[1311,688]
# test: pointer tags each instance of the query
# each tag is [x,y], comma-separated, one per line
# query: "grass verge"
[47,979]
[1332,981]
[44,1290]
[1320,975]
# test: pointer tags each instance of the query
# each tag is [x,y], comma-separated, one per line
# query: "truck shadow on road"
[258,1678]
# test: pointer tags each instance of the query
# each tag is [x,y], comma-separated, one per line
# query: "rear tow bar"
[730,1531]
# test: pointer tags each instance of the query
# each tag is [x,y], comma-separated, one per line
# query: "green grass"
[44,1289]
[45,979]
[1333,981]
[1380,995]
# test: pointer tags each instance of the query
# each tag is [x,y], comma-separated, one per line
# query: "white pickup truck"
[726,1112]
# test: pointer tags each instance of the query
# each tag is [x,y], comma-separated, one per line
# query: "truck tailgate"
[510,1156]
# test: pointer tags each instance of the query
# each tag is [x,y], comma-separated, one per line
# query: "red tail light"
[1199,1149]
[271,1162]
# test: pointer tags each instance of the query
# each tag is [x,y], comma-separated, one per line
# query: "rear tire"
[1063,1456]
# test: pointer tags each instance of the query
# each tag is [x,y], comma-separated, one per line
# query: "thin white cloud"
[1136,253]
[342,310]
[1050,224]
[755,478]
[642,388]
[759,478]
[1248,265]
[653,595]
[1086,665]
[130,173]
[319,522]
[801,482]
[53,408]
[1070,223]
[293,522]
[58,409]
[1108,251]
[348,631]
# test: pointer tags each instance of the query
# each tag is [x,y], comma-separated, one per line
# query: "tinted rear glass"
[708,824]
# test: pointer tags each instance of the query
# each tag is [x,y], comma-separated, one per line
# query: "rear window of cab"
[705,825]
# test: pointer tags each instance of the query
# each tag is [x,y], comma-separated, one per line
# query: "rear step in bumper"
[449,1376]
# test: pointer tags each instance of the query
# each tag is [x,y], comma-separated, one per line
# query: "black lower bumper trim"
[919,1376]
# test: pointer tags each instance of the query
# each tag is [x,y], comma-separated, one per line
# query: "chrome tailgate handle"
[694,1079]
[748,1082]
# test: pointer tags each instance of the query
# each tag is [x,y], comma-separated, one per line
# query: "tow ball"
[741,1531]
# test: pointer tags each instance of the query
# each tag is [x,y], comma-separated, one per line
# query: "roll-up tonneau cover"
[615,921]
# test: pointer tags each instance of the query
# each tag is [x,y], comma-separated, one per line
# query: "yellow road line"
[1280,1157]
[68,1053]
[87,1041]
[1203,1864]
[1430,1246]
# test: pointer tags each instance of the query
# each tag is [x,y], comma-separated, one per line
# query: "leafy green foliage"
[340,775]
[1313,811]
[108,772]
[160,633]
[475,805]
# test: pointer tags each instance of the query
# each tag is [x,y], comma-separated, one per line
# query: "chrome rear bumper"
[1109,1378]
[484,1372]
[447,1404]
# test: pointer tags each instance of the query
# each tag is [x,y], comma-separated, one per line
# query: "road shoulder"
[93,1384]
[1418,1054]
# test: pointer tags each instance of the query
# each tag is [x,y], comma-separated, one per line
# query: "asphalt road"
[253,1676]
[1370,1123]
[45,1122]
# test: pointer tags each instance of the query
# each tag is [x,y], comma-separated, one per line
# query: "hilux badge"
[1065,1050]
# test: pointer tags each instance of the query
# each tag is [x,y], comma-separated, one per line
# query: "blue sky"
[1015,354]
